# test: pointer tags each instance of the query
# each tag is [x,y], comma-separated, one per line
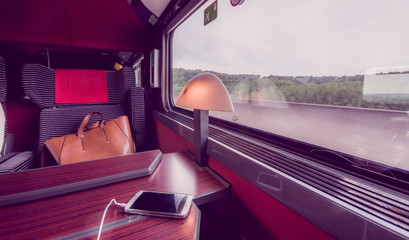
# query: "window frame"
[175,118]
[335,158]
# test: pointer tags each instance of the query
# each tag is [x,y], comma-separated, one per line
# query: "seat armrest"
[8,144]
[14,162]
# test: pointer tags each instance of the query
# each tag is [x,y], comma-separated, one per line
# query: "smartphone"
[160,204]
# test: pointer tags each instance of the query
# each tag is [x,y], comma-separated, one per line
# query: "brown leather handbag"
[99,140]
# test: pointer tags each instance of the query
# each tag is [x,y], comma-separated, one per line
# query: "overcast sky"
[296,37]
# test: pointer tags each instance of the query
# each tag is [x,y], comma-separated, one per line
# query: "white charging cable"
[105,212]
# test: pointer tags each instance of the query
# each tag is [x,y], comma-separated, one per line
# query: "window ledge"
[363,207]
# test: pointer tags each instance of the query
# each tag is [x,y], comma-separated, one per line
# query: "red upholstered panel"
[169,141]
[23,121]
[280,221]
[39,21]
[80,86]
[105,24]
[98,24]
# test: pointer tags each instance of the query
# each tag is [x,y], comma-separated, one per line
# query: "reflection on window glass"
[330,73]
[137,67]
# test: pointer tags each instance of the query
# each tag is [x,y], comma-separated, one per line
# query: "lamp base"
[201,132]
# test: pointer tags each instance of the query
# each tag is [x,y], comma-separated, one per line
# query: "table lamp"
[203,93]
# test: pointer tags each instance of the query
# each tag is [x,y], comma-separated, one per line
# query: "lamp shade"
[205,92]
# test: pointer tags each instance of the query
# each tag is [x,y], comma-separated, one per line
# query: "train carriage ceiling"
[100,24]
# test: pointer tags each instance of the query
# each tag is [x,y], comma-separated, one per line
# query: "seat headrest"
[76,86]
[80,86]
[3,83]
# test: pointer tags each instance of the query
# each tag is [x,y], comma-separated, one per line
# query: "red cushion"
[80,86]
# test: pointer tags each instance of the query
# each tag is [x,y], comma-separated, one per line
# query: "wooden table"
[77,215]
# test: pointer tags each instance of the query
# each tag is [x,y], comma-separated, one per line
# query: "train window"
[137,67]
[331,74]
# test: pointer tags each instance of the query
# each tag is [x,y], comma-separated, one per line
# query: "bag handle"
[85,121]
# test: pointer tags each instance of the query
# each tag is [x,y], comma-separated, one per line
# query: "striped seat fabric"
[9,161]
[56,122]
[39,85]
[15,162]
[138,116]
[3,97]
[124,98]
[3,110]
[3,83]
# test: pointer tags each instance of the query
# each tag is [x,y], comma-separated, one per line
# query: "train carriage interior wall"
[281,119]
